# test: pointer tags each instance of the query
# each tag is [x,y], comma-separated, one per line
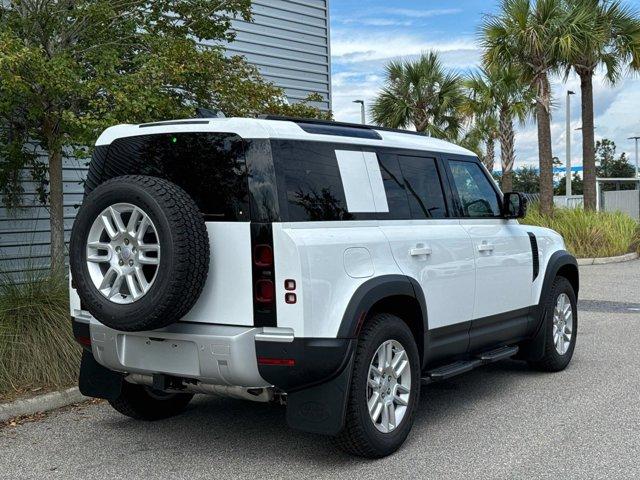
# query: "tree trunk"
[507,152]
[545,152]
[56,212]
[588,141]
[490,157]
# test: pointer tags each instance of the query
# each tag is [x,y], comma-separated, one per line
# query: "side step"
[463,366]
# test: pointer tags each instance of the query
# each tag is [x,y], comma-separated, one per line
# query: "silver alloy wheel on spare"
[388,386]
[562,323]
[123,253]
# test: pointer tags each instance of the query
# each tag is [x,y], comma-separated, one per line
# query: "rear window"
[209,166]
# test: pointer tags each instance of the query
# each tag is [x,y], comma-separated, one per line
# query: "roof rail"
[332,123]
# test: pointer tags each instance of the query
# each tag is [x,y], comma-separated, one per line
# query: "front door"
[504,260]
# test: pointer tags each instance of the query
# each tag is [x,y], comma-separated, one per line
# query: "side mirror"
[514,205]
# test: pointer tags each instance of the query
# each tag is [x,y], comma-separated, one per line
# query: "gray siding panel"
[288,41]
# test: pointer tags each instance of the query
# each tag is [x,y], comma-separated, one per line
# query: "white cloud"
[416,13]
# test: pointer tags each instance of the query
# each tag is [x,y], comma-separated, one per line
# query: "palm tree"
[421,94]
[607,33]
[500,93]
[527,34]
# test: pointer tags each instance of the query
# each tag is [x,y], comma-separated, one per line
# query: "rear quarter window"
[309,183]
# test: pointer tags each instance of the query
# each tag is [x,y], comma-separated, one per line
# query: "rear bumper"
[219,354]
[213,354]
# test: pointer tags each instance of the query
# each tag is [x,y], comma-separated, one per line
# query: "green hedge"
[590,234]
[37,348]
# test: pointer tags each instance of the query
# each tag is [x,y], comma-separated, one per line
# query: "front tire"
[142,403]
[561,327]
[384,389]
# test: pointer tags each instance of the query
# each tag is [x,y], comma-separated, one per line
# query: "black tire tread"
[134,402]
[353,438]
[551,360]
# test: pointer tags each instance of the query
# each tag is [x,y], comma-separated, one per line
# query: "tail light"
[265,291]
[263,256]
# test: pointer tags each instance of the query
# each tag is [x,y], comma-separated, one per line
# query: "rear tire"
[558,350]
[362,436]
[142,403]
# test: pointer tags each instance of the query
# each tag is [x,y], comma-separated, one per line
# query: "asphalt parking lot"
[503,421]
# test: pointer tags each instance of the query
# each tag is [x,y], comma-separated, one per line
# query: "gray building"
[288,41]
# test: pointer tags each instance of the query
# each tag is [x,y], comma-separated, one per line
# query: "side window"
[394,188]
[477,196]
[423,187]
[310,180]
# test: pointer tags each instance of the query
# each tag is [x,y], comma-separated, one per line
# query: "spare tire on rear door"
[139,253]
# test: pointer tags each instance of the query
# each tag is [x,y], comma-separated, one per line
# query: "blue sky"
[366,34]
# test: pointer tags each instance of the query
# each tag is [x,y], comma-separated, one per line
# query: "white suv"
[332,267]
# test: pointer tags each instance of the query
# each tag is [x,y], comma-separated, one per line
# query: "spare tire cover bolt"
[118,249]
[131,263]
[121,262]
[126,241]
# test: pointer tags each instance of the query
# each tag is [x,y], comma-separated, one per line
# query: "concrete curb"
[41,403]
[605,260]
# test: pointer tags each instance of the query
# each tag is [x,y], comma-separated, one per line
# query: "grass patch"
[37,348]
[590,234]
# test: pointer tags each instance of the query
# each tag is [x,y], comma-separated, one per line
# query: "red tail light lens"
[265,291]
[263,256]
[279,362]
[85,341]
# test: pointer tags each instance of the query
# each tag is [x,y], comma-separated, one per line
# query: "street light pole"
[363,111]
[636,139]
[568,170]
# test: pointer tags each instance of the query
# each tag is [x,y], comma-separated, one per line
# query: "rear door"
[502,249]
[430,246]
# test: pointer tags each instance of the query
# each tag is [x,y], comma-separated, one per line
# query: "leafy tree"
[610,166]
[422,94]
[577,185]
[526,180]
[529,35]
[70,68]
[499,93]
[605,33]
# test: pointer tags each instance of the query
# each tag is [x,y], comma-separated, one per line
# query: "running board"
[463,366]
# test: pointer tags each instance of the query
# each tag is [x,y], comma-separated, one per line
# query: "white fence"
[625,201]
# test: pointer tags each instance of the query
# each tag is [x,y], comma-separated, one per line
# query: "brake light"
[265,291]
[263,256]
[278,362]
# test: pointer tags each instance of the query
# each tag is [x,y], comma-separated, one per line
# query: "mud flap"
[321,409]
[97,381]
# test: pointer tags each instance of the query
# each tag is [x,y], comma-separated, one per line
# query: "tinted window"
[309,181]
[477,196]
[210,167]
[423,187]
[394,188]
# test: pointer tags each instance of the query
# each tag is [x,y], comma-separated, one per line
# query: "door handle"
[420,250]
[485,247]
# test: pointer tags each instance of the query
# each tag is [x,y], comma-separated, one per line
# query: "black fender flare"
[374,290]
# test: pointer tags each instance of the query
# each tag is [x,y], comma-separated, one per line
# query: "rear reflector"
[278,362]
[85,341]
[263,256]
[265,291]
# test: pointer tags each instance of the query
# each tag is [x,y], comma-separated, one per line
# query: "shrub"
[590,234]
[37,348]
